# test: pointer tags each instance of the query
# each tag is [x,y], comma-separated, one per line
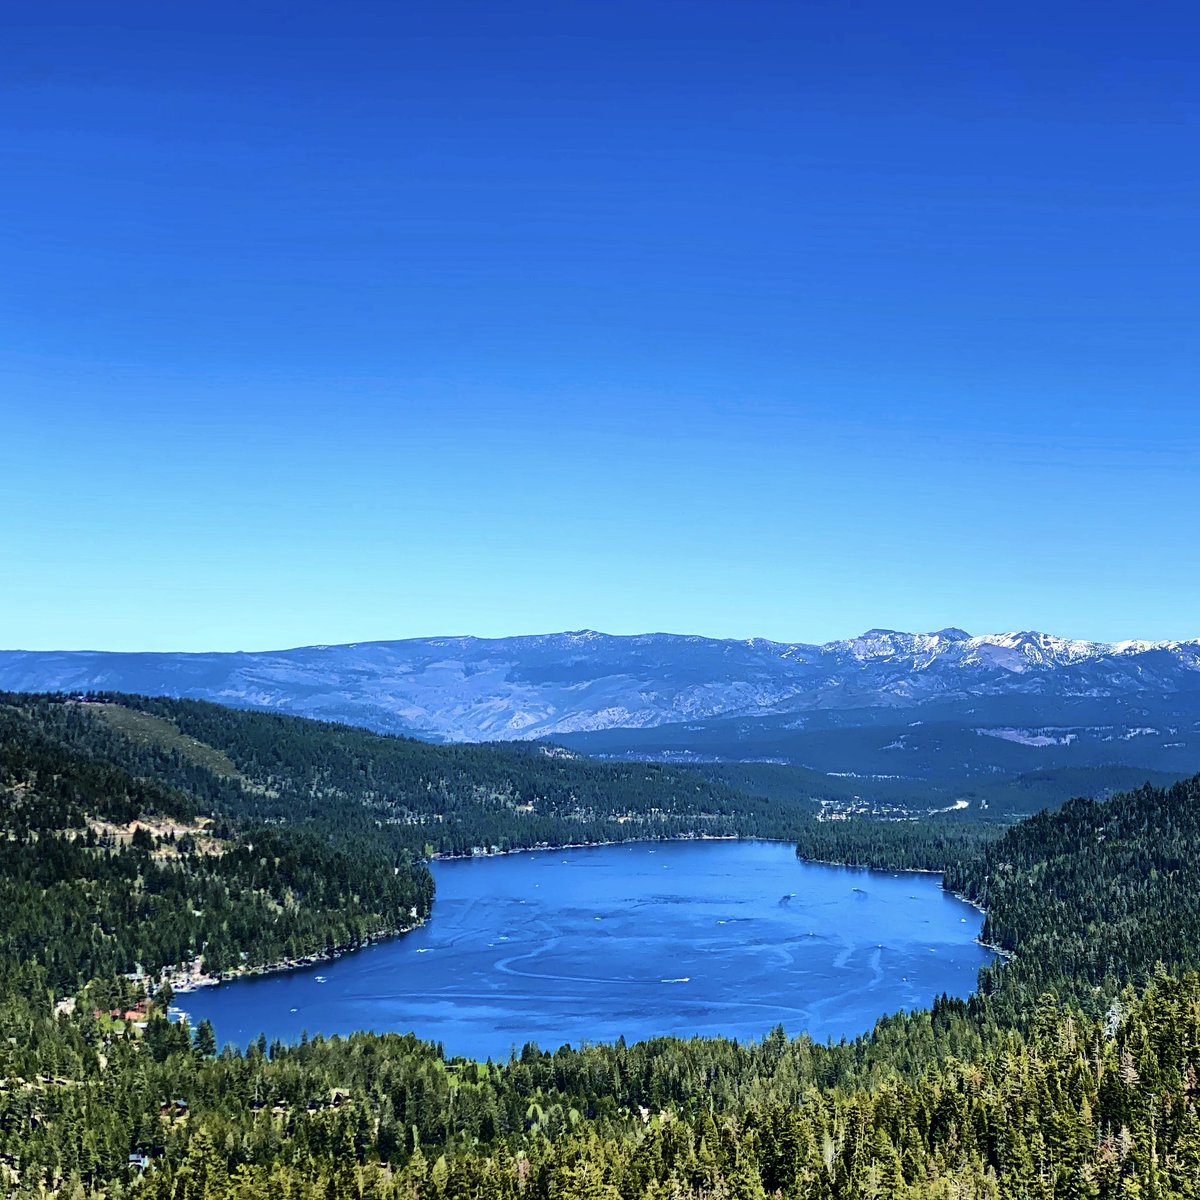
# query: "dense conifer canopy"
[143,833]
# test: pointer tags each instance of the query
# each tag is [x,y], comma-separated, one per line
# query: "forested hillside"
[104,871]
[1093,895]
[928,845]
[143,834]
[938,1105]
[447,799]
[139,831]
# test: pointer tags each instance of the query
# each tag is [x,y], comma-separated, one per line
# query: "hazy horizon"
[536,633]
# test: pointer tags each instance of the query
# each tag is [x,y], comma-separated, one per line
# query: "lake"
[718,938]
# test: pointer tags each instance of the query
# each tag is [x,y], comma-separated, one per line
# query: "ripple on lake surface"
[686,938]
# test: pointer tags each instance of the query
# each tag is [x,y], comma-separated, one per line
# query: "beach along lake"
[718,938]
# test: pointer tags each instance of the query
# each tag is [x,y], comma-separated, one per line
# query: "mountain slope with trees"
[430,798]
[1017,1093]
[1009,722]
[1094,895]
[142,834]
[105,871]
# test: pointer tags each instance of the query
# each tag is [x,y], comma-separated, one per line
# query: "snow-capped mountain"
[470,689]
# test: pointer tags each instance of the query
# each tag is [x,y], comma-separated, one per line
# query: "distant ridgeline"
[144,832]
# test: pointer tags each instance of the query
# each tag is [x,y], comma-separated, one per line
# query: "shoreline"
[992,946]
[683,837]
[184,982]
[999,951]
[696,837]
[852,866]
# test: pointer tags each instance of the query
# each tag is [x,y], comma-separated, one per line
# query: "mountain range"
[887,704]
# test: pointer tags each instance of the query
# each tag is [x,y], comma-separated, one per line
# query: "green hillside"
[109,866]
[1094,895]
[141,830]
[447,799]
[185,830]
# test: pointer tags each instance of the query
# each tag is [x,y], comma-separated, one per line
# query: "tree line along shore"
[144,833]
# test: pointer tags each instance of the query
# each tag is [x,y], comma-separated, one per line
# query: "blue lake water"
[685,938]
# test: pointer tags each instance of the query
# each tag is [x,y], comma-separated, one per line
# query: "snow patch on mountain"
[1030,737]
[463,688]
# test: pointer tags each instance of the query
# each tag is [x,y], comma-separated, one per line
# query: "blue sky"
[329,322]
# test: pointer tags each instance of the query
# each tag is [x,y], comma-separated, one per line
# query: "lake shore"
[659,939]
[193,977]
[640,841]
[1007,955]
[185,980]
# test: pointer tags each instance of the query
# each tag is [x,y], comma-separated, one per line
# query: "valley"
[1070,1062]
[898,724]
[363,364]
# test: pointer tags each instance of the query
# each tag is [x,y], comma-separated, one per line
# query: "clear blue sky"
[330,322]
